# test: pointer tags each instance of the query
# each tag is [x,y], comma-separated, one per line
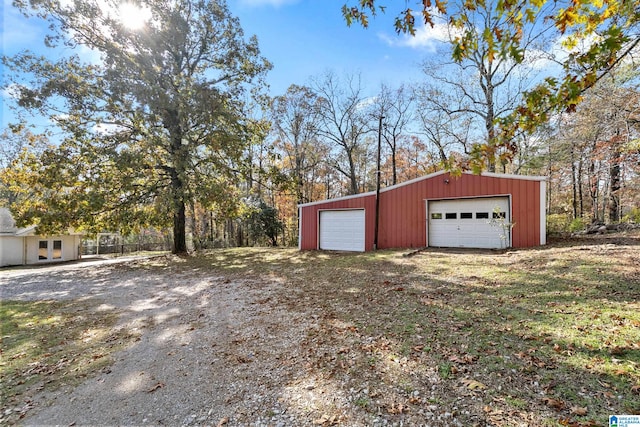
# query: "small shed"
[441,210]
[22,246]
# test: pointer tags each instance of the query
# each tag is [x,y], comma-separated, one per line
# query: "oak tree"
[153,125]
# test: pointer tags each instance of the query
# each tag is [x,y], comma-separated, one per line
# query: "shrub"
[577,224]
[558,223]
[633,216]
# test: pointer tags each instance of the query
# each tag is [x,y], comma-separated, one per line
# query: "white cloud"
[426,37]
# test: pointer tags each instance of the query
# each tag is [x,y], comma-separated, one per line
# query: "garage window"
[482,215]
[501,215]
[466,215]
[451,215]
[43,249]
[436,216]
[57,249]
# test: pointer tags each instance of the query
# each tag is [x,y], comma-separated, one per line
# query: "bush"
[558,223]
[633,216]
[578,224]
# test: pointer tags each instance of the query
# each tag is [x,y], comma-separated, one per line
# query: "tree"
[295,118]
[446,130]
[396,107]
[263,221]
[160,114]
[609,27]
[16,142]
[601,129]
[484,84]
[343,123]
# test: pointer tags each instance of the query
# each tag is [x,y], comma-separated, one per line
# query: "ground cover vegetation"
[50,344]
[538,337]
[531,87]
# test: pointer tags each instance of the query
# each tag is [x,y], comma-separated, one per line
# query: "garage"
[342,230]
[400,216]
[469,223]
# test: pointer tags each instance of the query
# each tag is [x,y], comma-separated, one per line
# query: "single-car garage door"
[342,230]
[469,223]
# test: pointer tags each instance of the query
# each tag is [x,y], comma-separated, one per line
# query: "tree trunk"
[614,198]
[593,191]
[352,175]
[179,228]
[394,162]
[580,193]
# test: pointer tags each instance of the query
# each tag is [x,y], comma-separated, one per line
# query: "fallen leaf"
[577,410]
[223,422]
[473,384]
[155,387]
[396,409]
[326,420]
[554,403]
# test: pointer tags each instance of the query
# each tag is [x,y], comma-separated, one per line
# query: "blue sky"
[302,38]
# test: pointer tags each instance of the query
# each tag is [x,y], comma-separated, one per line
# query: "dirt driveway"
[207,350]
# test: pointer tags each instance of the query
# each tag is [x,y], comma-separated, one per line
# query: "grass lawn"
[47,345]
[531,337]
[540,337]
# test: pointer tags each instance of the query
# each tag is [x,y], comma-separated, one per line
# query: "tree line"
[172,127]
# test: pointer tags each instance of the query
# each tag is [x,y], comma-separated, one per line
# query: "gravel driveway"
[210,351]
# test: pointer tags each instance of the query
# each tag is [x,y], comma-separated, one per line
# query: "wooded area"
[173,129]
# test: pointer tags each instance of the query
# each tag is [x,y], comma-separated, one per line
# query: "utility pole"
[375,236]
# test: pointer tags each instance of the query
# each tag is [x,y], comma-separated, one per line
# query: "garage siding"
[403,208]
[310,219]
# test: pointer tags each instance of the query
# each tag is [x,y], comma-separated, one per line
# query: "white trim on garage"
[341,230]
[543,212]
[469,222]
[299,228]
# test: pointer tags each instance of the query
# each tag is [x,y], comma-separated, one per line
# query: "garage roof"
[422,178]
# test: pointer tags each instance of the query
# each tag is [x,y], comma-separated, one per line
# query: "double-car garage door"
[469,223]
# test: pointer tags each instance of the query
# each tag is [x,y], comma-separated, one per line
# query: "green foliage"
[577,224]
[158,124]
[558,223]
[263,221]
[632,216]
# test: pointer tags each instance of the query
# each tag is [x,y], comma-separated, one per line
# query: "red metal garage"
[477,211]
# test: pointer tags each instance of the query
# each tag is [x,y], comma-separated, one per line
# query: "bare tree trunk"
[614,179]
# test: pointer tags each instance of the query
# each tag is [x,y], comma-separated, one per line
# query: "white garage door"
[342,230]
[469,223]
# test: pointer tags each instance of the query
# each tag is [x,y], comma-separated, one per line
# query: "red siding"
[402,222]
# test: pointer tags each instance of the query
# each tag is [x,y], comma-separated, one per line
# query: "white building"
[22,246]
